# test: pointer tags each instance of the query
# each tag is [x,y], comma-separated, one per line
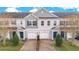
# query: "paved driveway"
[30,45]
[44,45]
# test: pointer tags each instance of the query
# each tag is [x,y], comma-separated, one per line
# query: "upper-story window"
[66,23]
[48,23]
[62,22]
[31,23]
[1,23]
[6,22]
[21,22]
[69,23]
[55,23]
[34,23]
[42,23]
[13,22]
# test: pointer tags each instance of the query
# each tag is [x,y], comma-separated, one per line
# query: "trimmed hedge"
[58,40]
[15,39]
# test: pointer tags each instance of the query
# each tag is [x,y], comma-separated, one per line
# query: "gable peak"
[42,12]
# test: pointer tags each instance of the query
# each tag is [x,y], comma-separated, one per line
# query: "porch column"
[65,35]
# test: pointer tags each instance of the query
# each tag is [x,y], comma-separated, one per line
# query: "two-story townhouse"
[44,24]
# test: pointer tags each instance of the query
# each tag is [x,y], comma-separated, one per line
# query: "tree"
[58,40]
[15,39]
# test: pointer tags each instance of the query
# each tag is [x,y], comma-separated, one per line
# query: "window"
[62,22]
[6,22]
[48,23]
[69,23]
[1,22]
[31,23]
[28,23]
[42,23]
[13,22]
[21,22]
[34,23]
[55,23]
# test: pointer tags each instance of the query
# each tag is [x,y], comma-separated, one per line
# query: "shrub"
[15,39]
[58,40]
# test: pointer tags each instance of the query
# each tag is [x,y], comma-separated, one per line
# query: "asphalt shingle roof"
[23,14]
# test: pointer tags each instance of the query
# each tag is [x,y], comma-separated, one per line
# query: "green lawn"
[67,46]
[10,47]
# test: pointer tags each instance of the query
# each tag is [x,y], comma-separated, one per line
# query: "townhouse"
[29,25]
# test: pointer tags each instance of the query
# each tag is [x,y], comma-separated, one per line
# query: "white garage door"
[32,36]
[69,35]
[44,36]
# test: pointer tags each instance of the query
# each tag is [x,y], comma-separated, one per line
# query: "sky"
[33,9]
[32,5]
[39,3]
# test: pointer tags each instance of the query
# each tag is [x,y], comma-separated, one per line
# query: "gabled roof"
[14,14]
[64,14]
[31,16]
[48,14]
[44,13]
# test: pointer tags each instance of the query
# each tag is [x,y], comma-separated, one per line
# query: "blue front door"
[62,34]
[21,35]
[12,34]
[54,34]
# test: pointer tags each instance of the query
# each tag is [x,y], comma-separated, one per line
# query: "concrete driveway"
[44,45]
[30,45]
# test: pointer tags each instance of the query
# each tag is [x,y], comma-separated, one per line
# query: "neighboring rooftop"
[23,14]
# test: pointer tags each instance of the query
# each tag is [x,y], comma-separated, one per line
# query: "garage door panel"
[44,36]
[32,36]
[69,35]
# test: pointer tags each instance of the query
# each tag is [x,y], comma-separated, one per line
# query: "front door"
[21,35]
[54,34]
[62,34]
[12,34]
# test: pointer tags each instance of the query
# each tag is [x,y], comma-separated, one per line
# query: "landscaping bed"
[9,46]
[67,46]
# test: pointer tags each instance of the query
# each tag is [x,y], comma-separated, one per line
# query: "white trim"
[31,15]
